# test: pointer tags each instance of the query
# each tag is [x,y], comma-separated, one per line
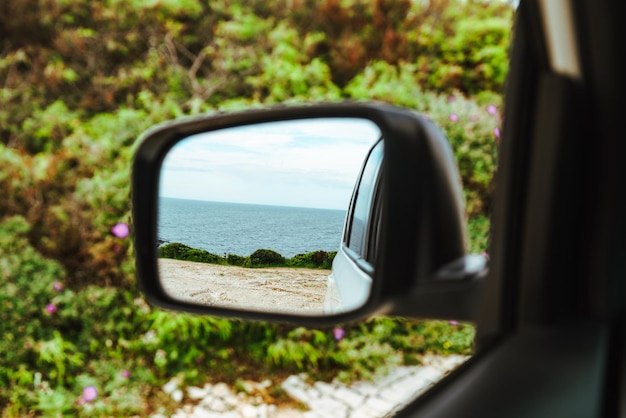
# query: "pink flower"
[339,333]
[496,132]
[453,117]
[125,373]
[89,394]
[453,322]
[57,286]
[120,230]
[51,308]
[451,98]
[492,109]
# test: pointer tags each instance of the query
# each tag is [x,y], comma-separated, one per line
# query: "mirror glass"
[251,217]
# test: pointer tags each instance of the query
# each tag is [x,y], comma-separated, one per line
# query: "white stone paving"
[375,399]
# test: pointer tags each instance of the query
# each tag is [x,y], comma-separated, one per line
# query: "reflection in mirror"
[251,217]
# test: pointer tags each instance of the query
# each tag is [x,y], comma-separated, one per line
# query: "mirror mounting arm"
[454,293]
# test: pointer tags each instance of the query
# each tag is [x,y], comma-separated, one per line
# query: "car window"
[81,80]
[357,240]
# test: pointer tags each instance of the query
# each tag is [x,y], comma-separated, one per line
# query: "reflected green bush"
[183,252]
[315,259]
[237,260]
[260,258]
[265,257]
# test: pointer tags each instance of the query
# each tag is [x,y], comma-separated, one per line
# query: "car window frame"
[363,258]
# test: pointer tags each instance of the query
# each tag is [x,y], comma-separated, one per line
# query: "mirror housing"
[421,268]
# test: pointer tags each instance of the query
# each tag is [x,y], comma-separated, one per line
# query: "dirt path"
[268,289]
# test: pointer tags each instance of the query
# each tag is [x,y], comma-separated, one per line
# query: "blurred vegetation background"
[81,79]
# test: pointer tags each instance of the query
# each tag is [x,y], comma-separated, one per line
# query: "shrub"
[237,260]
[288,73]
[26,297]
[183,252]
[51,333]
[265,257]
[74,99]
[315,259]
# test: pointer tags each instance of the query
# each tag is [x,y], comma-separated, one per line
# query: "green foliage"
[289,74]
[179,342]
[81,80]
[52,334]
[474,58]
[388,83]
[384,342]
[179,251]
[263,257]
[366,349]
[56,353]
[58,341]
[479,234]
[299,349]
[58,122]
[315,259]
[237,260]
[260,258]
[26,280]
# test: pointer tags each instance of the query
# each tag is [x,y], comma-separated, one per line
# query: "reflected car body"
[350,282]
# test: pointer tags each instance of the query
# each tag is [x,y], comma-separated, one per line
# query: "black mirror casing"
[421,270]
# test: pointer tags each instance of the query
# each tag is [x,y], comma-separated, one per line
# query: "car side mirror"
[398,236]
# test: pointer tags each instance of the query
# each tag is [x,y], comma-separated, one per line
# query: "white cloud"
[310,163]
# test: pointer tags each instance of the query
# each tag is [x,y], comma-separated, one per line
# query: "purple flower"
[492,109]
[125,373]
[57,286]
[485,254]
[90,394]
[51,308]
[453,117]
[453,322]
[120,230]
[339,333]
[496,132]
[451,98]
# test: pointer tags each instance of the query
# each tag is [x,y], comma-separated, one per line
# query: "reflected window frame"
[366,248]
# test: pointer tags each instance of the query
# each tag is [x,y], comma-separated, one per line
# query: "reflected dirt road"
[293,290]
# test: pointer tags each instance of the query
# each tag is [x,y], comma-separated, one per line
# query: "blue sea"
[241,229]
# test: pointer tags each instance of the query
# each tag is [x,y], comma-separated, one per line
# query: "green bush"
[52,334]
[59,341]
[27,281]
[183,252]
[237,260]
[260,258]
[81,81]
[263,257]
[315,259]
